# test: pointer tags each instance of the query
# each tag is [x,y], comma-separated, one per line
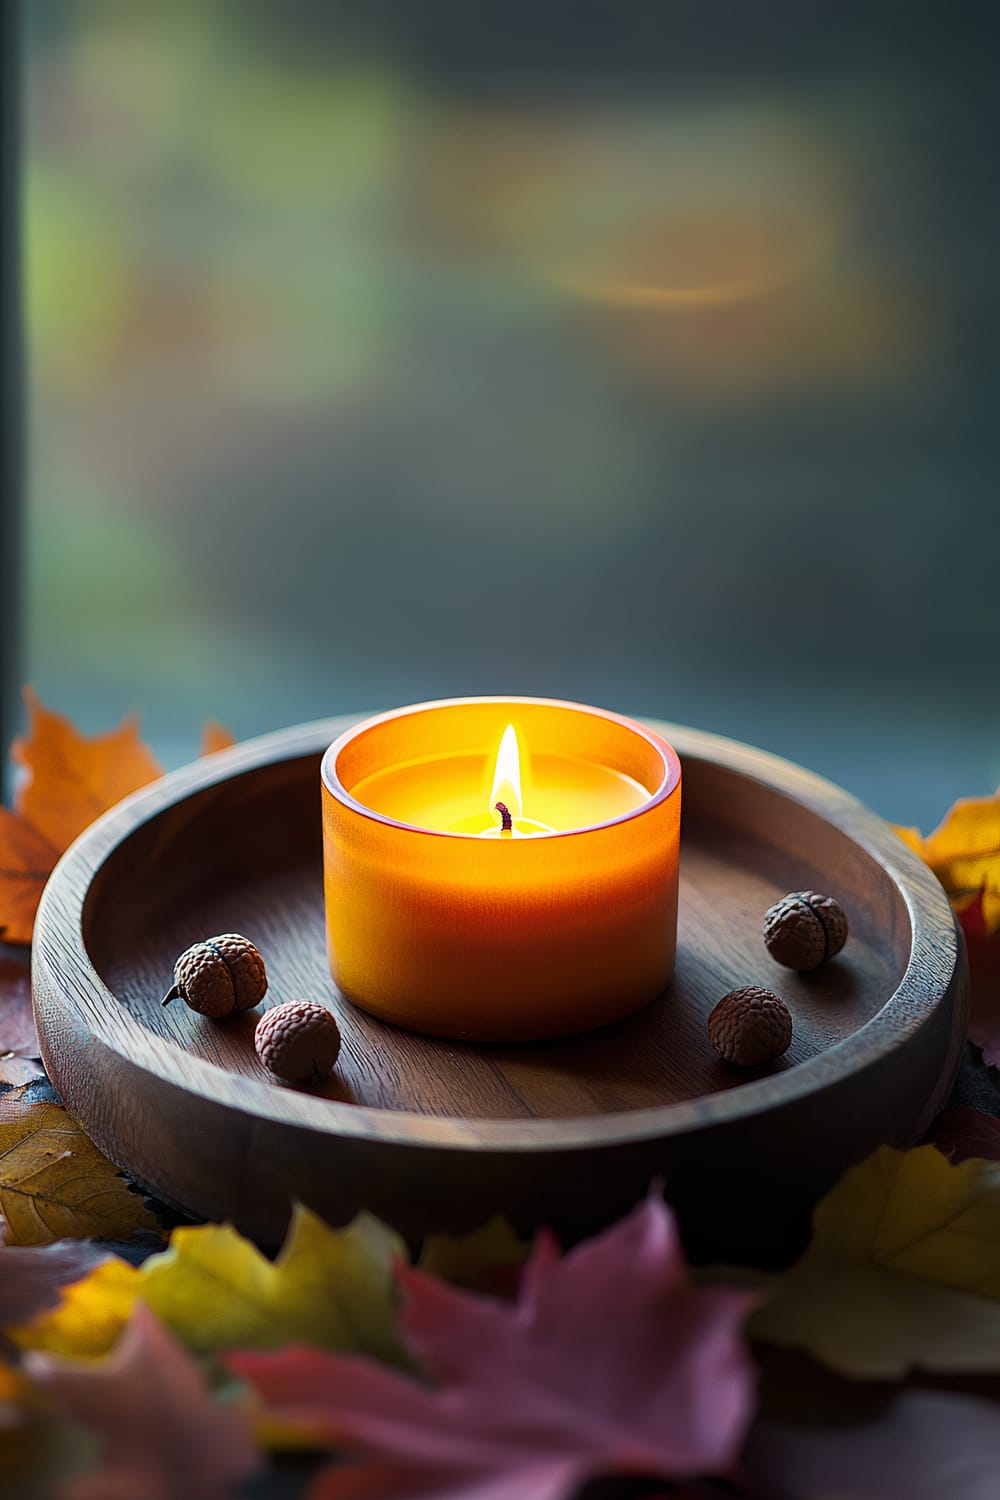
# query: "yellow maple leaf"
[964,853]
[912,838]
[55,1184]
[91,1315]
[215,1290]
[903,1270]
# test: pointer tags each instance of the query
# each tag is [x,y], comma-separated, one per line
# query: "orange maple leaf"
[26,860]
[72,778]
[964,853]
[215,737]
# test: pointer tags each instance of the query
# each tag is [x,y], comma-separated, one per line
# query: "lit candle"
[505,797]
[501,868]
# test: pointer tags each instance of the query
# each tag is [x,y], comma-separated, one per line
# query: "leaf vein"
[939,1226]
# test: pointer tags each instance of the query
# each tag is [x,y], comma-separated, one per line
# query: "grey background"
[315,425]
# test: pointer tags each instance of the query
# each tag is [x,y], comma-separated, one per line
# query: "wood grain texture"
[435,1134]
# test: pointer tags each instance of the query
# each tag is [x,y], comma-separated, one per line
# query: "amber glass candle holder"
[439,920]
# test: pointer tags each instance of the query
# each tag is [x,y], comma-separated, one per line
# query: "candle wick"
[506,821]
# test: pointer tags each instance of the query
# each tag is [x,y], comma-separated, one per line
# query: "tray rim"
[59,941]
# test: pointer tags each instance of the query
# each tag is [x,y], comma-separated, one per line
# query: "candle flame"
[507,777]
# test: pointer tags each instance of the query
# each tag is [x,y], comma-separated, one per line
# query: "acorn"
[750,1026]
[298,1041]
[219,977]
[804,929]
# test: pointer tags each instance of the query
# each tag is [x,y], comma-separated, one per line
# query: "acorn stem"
[172,994]
[506,821]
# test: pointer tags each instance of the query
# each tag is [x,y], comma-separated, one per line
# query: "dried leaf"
[32,1277]
[964,853]
[17,1021]
[903,1270]
[923,1445]
[163,1433]
[215,1290]
[609,1362]
[54,1183]
[963,1132]
[26,862]
[73,778]
[215,737]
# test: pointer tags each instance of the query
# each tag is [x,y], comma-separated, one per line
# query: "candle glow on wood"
[441,920]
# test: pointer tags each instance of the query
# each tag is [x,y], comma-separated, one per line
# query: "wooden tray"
[435,1135]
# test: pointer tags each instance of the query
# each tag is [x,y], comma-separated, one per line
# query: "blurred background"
[639,354]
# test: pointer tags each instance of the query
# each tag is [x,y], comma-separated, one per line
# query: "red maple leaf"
[32,1276]
[609,1362]
[162,1433]
[17,1023]
[962,1132]
[984,974]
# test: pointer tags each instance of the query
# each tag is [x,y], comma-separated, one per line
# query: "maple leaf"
[983,949]
[26,862]
[964,853]
[903,1270]
[163,1434]
[90,1315]
[215,737]
[31,1277]
[17,1023]
[963,1132]
[610,1361]
[214,1289]
[71,779]
[54,1183]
